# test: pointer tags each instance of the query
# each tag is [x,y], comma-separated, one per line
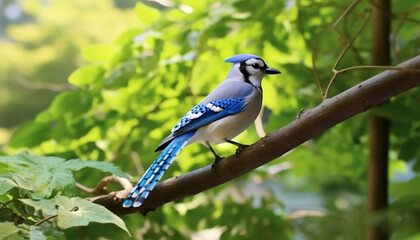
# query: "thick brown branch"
[311,123]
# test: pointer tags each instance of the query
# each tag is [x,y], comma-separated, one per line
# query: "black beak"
[270,70]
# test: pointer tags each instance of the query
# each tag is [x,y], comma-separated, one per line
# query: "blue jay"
[222,115]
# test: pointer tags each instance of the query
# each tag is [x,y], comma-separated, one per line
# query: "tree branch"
[101,186]
[311,123]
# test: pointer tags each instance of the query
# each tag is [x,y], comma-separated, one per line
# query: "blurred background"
[107,80]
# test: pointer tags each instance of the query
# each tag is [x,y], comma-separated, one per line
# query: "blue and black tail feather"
[155,172]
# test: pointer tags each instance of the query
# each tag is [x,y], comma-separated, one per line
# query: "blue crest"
[240,58]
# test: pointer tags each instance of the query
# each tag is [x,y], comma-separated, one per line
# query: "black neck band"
[244,72]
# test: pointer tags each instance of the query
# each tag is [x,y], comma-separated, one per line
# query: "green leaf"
[5,185]
[30,134]
[77,164]
[398,111]
[7,230]
[406,189]
[46,176]
[410,148]
[98,52]
[86,75]
[36,232]
[46,230]
[146,14]
[47,206]
[414,237]
[73,212]
[72,104]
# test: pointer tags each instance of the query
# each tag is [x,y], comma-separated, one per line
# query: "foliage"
[42,48]
[136,88]
[36,189]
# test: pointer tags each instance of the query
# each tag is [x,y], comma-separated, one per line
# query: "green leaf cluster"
[42,48]
[35,197]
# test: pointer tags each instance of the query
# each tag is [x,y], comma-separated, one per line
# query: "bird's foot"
[216,161]
[239,145]
[239,149]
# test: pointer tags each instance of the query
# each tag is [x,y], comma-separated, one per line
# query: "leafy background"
[105,81]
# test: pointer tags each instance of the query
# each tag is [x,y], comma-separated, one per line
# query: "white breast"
[232,125]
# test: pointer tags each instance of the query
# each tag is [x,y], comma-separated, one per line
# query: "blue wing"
[227,99]
[203,114]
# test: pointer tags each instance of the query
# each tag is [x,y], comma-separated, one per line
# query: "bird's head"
[251,67]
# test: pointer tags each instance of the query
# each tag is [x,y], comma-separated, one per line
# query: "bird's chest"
[232,125]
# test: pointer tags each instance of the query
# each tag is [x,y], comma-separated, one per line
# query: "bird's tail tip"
[127,203]
[130,203]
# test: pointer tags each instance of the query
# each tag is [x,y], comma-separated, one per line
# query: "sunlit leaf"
[24,136]
[77,164]
[47,206]
[46,176]
[86,75]
[98,52]
[73,212]
[8,230]
[146,14]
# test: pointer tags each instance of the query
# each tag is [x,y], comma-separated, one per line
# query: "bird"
[226,112]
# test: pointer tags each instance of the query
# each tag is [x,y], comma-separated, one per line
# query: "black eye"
[255,65]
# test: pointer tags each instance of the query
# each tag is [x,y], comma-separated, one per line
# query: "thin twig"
[74,209]
[381,8]
[306,213]
[346,12]
[314,56]
[414,97]
[43,85]
[340,57]
[45,219]
[101,186]
[259,124]
[376,67]
[4,204]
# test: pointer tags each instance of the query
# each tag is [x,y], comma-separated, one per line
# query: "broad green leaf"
[30,134]
[73,212]
[410,149]
[406,189]
[127,36]
[47,176]
[36,232]
[47,206]
[7,230]
[146,14]
[398,111]
[72,104]
[6,184]
[77,164]
[415,237]
[17,180]
[98,52]
[86,75]
[46,231]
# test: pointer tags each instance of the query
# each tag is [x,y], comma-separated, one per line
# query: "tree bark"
[308,124]
[379,126]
